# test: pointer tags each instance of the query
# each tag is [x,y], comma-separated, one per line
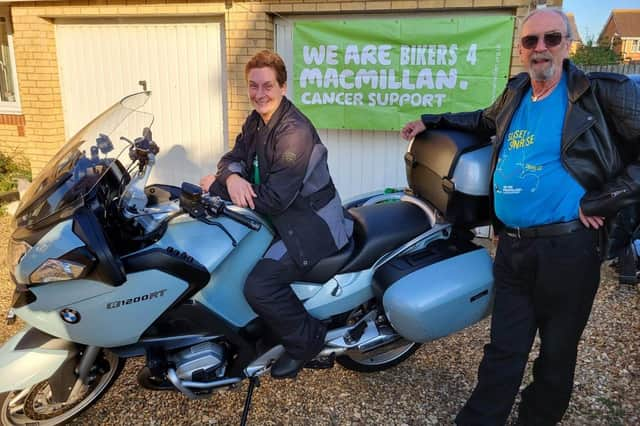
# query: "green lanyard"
[256,181]
[256,170]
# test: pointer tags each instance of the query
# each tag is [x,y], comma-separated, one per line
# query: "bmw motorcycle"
[107,267]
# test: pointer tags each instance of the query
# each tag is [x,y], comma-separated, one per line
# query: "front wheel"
[34,405]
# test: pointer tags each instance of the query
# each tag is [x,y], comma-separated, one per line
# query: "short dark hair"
[267,59]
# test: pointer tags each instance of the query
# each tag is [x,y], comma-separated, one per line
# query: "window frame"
[10,107]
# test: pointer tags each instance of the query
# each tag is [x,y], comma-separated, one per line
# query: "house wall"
[627,53]
[607,38]
[39,131]
[620,45]
[575,45]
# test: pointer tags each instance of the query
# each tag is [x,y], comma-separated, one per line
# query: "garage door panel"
[102,61]
[362,161]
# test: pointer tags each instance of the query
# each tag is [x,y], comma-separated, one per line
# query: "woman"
[278,167]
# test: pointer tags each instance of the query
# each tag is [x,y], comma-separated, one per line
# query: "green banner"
[378,74]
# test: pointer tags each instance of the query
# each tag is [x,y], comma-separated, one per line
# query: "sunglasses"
[550,40]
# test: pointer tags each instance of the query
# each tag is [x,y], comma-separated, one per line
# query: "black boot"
[286,367]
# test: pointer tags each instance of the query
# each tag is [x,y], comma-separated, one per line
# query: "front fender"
[30,357]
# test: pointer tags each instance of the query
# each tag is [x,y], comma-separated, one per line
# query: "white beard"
[542,75]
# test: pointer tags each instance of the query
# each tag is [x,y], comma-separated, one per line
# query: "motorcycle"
[108,267]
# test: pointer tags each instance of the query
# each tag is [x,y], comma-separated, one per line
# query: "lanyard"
[256,170]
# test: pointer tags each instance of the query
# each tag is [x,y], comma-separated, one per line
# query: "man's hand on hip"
[240,191]
[411,129]
[594,222]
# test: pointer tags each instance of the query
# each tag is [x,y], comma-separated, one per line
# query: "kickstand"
[253,382]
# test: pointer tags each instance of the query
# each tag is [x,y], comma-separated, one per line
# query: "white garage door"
[101,61]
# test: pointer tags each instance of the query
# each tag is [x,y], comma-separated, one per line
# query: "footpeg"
[354,334]
[322,362]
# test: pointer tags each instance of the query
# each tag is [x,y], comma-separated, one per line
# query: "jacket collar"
[577,82]
[277,114]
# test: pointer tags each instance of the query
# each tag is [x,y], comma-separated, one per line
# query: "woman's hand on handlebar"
[206,182]
[240,191]
[411,129]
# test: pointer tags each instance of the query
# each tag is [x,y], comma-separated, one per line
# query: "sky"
[591,15]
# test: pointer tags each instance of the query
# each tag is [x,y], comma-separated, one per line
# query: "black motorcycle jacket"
[287,164]
[600,139]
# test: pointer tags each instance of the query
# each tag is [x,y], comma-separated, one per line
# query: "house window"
[9,99]
[635,45]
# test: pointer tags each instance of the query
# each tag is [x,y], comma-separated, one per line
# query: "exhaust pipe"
[384,338]
[183,386]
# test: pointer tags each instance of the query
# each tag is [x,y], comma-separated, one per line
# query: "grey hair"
[555,10]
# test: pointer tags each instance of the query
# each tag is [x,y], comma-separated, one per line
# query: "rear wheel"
[34,405]
[369,363]
[381,358]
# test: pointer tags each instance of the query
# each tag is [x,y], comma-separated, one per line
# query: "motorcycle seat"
[380,228]
[329,266]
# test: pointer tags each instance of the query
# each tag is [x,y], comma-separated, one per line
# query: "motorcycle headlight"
[15,251]
[57,270]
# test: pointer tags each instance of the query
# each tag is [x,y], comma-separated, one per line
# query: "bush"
[589,54]
[13,167]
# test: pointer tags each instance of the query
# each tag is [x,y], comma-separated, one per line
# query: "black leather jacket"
[600,140]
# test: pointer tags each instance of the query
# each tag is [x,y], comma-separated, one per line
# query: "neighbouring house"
[621,33]
[576,40]
[63,62]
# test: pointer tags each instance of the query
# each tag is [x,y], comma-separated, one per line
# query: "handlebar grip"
[239,217]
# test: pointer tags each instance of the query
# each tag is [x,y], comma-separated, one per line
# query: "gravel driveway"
[429,388]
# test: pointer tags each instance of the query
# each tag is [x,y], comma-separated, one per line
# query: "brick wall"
[248,28]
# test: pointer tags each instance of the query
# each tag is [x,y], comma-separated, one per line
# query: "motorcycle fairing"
[224,293]
[109,316]
[180,265]
[207,244]
[340,294]
[228,265]
[30,357]
[108,269]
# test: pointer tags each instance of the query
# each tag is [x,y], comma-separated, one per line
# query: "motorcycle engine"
[203,362]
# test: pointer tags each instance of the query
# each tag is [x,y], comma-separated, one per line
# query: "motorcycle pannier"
[434,292]
[450,169]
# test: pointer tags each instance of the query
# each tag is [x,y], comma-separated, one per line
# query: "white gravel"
[427,389]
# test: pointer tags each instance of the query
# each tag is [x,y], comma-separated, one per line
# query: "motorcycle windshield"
[74,171]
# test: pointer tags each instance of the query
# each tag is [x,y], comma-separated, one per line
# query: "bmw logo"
[70,315]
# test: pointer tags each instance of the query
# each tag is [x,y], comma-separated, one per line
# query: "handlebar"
[239,217]
[217,207]
[197,204]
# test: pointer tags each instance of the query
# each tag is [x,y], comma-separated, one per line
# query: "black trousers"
[268,291]
[544,285]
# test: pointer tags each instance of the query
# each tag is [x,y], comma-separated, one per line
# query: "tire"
[361,362]
[380,358]
[33,407]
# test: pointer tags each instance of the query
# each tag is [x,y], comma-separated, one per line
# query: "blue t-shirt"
[530,185]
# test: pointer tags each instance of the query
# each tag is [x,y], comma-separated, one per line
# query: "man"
[278,166]
[565,162]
